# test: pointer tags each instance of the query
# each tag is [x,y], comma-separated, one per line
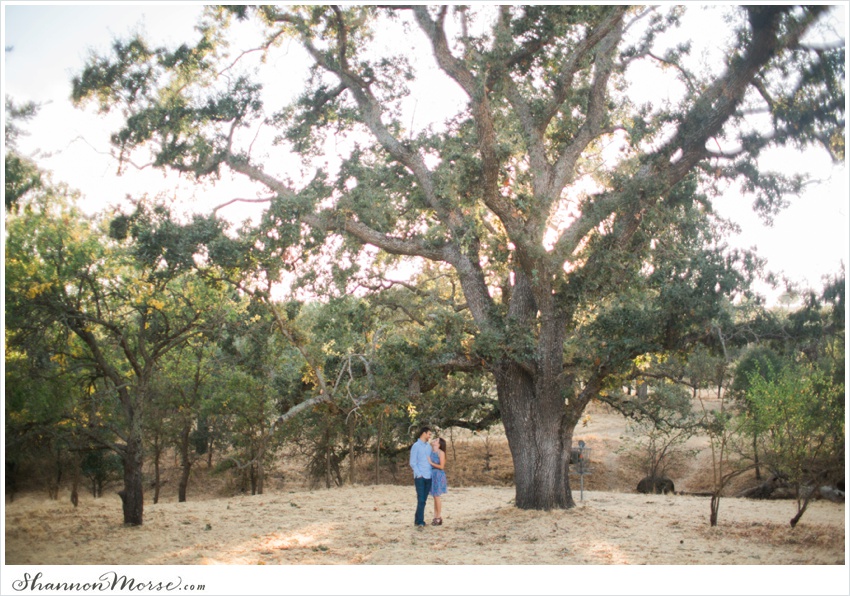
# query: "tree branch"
[596,111]
[477,91]
[563,84]
[708,115]
[238,200]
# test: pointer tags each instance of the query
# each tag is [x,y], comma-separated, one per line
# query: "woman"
[438,478]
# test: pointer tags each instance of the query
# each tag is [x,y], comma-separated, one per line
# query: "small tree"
[799,425]
[761,362]
[724,427]
[722,424]
[184,384]
[658,431]
[246,403]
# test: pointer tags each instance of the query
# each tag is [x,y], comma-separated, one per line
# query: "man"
[420,455]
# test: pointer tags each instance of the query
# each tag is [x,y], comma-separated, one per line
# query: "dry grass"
[811,535]
[372,525]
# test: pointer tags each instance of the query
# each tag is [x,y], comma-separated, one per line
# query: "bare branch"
[822,47]
[597,211]
[263,48]
[686,76]
[238,200]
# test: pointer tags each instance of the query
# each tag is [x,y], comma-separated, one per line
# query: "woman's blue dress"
[438,477]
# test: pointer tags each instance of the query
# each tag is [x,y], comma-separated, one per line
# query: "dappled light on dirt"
[374,525]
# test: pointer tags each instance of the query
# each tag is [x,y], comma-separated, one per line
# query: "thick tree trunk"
[11,479]
[539,438]
[531,394]
[133,493]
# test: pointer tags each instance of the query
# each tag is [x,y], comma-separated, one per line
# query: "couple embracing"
[428,460]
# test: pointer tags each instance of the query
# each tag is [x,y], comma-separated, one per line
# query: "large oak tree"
[572,259]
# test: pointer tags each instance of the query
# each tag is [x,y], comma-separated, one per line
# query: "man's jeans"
[423,487]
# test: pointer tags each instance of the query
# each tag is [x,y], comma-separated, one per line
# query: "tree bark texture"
[533,407]
[539,440]
[715,509]
[133,493]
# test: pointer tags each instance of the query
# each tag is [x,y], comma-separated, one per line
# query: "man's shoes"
[420,526]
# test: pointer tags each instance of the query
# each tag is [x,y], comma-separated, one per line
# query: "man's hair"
[423,430]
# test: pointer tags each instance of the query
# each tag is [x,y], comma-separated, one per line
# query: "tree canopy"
[566,212]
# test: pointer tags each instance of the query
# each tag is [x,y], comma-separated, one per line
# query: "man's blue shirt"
[420,454]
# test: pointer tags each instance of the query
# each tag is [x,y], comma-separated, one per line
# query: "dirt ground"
[365,525]
[374,525]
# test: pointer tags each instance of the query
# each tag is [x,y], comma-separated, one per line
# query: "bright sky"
[51,42]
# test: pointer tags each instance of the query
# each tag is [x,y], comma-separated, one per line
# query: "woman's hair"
[442,444]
